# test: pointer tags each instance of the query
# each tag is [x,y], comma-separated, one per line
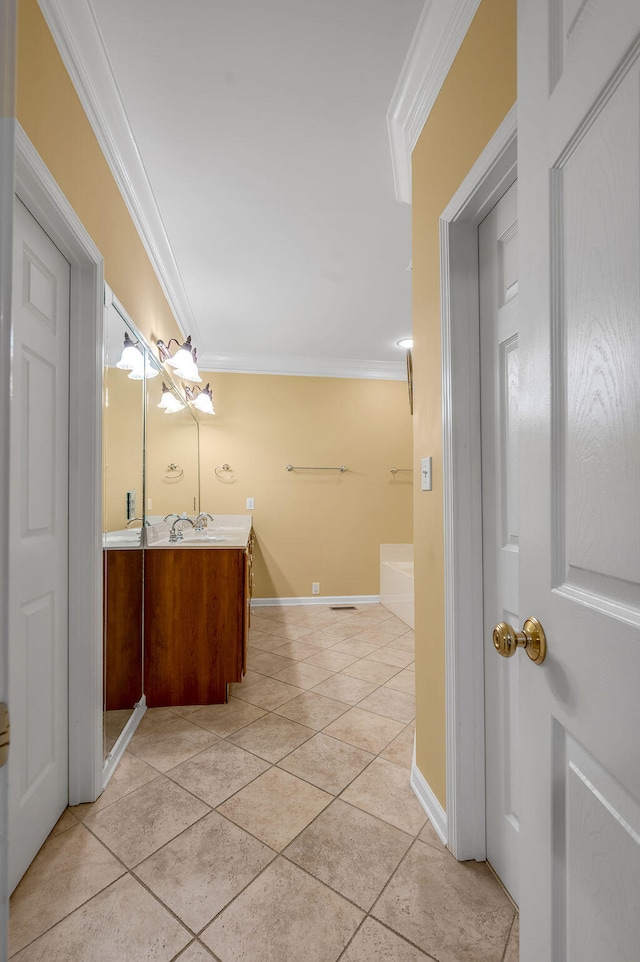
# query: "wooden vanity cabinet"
[122,627]
[196,609]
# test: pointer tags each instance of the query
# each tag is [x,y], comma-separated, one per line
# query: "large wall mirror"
[150,469]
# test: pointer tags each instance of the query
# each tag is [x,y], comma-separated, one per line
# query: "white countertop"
[225,531]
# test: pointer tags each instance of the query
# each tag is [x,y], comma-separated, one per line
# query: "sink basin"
[126,536]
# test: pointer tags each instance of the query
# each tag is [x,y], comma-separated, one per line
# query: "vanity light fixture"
[183,361]
[202,401]
[169,402]
[135,361]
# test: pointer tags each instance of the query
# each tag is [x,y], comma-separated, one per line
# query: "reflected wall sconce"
[202,401]
[169,402]
[184,361]
[135,361]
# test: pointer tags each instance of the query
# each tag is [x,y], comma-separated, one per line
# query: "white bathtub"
[396,580]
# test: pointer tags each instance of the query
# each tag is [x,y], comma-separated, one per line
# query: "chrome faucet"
[131,520]
[172,515]
[201,520]
[177,535]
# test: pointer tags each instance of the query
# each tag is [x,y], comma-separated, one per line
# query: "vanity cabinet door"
[194,624]
[122,625]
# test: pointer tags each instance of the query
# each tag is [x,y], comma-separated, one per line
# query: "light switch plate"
[251,503]
[425,474]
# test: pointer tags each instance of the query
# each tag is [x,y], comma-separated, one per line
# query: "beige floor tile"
[165,749]
[326,762]
[225,719]
[429,835]
[196,952]
[303,675]
[298,650]
[130,774]
[218,772]
[454,911]
[291,632]
[123,922]
[268,694]
[66,821]
[365,730]
[268,663]
[284,916]
[200,871]
[156,719]
[404,681]
[356,647]
[184,710]
[345,688]
[412,666]
[391,704]
[513,945]
[383,790]
[400,750]
[313,710]
[68,870]
[332,660]
[275,807]
[391,656]
[374,943]
[331,634]
[382,633]
[404,643]
[261,641]
[271,737]
[250,678]
[140,823]
[351,851]
[259,623]
[372,614]
[371,671]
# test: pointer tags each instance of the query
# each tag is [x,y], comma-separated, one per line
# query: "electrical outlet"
[251,503]
[315,588]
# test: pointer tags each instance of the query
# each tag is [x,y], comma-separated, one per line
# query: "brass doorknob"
[532,638]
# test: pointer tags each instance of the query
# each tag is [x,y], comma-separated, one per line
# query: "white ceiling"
[261,126]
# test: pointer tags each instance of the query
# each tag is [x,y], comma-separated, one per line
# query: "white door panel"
[499,377]
[38,538]
[579,207]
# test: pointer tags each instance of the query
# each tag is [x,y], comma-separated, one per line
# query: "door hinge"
[5,733]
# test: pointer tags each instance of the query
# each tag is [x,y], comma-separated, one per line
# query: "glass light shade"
[169,402]
[406,342]
[188,370]
[131,357]
[144,371]
[204,401]
[182,356]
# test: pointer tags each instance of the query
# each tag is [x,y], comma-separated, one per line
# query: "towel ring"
[173,472]
[228,473]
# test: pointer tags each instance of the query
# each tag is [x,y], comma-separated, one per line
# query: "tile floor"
[279,827]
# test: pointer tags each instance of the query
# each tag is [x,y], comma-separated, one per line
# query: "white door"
[579,223]
[38,542]
[498,274]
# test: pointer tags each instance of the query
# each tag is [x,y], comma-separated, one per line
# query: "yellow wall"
[315,526]
[49,111]
[478,92]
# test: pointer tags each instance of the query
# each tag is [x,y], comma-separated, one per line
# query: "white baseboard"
[120,747]
[317,600]
[433,809]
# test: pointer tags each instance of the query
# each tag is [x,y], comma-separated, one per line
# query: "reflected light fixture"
[183,361]
[134,360]
[169,402]
[202,401]
[406,343]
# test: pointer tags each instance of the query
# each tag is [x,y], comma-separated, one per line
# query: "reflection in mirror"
[123,498]
[172,474]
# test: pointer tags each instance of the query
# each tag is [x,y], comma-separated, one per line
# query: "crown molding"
[303,366]
[441,29]
[80,44]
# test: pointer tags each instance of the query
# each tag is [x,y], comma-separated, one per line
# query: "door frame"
[489,178]
[37,189]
